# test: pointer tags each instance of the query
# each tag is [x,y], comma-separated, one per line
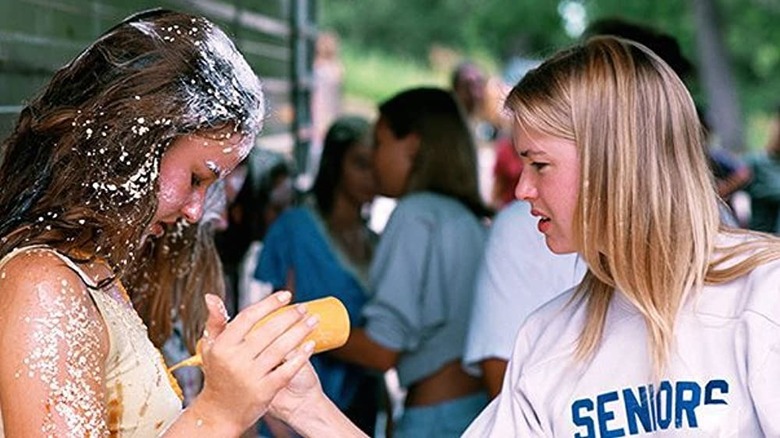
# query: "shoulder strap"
[91,283]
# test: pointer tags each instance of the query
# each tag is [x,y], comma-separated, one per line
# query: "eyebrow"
[528,152]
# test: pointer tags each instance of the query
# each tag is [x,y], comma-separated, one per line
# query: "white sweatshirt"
[722,378]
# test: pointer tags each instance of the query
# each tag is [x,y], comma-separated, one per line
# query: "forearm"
[737,180]
[363,351]
[728,186]
[493,370]
[323,418]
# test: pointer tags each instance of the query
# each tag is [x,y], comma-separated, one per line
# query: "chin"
[559,247]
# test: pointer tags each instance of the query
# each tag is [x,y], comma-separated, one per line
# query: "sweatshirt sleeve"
[763,331]
[762,337]
[766,398]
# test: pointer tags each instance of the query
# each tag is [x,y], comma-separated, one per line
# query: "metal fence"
[276,36]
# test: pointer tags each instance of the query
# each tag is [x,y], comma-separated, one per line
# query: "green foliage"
[399,27]
[534,29]
[375,76]
[753,43]
[758,126]
[749,34]
[528,28]
[410,27]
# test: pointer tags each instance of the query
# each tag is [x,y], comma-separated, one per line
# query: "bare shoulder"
[39,292]
[38,278]
[54,345]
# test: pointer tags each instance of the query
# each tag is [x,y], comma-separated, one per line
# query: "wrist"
[321,417]
[210,418]
[309,415]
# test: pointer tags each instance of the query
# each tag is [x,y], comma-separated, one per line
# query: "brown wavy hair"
[80,170]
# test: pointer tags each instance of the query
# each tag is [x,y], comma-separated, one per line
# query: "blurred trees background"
[735,44]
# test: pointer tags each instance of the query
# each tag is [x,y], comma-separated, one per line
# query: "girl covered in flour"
[104,179]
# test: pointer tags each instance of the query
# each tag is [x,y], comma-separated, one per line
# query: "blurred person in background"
[506,172]
[327,92]
[469,86]
[255,194]
[423,272]
[764,189]
[730,172]
[325,248]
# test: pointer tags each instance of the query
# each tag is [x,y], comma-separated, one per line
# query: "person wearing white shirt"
[675,329]
[518,274]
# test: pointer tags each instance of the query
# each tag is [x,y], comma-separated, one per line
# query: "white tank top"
[140,395]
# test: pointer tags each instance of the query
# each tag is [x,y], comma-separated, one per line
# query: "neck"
[345,213]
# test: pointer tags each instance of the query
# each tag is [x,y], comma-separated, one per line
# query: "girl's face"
[358,181]
[190,165]
[393,159]
[550,183]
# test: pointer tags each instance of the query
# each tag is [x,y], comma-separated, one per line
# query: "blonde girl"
[675,327]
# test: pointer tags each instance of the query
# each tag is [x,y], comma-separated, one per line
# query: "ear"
[412,144]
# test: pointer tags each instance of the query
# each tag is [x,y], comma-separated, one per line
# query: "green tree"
[749,48]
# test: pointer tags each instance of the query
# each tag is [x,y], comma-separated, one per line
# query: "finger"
[281,376]
[261,337]
[285,344]
[216,321]
[242,324]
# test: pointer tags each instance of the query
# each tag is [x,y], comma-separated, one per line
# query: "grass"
[372,76]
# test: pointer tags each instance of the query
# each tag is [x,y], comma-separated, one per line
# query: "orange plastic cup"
[332,330]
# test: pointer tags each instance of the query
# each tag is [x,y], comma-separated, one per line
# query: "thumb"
[217,319]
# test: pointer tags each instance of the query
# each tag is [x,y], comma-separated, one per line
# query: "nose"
[192,211]
[525,190]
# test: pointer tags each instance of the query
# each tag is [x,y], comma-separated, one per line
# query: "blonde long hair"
[647,218]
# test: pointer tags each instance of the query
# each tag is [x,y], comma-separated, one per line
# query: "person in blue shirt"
[324,248]
[423,273]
